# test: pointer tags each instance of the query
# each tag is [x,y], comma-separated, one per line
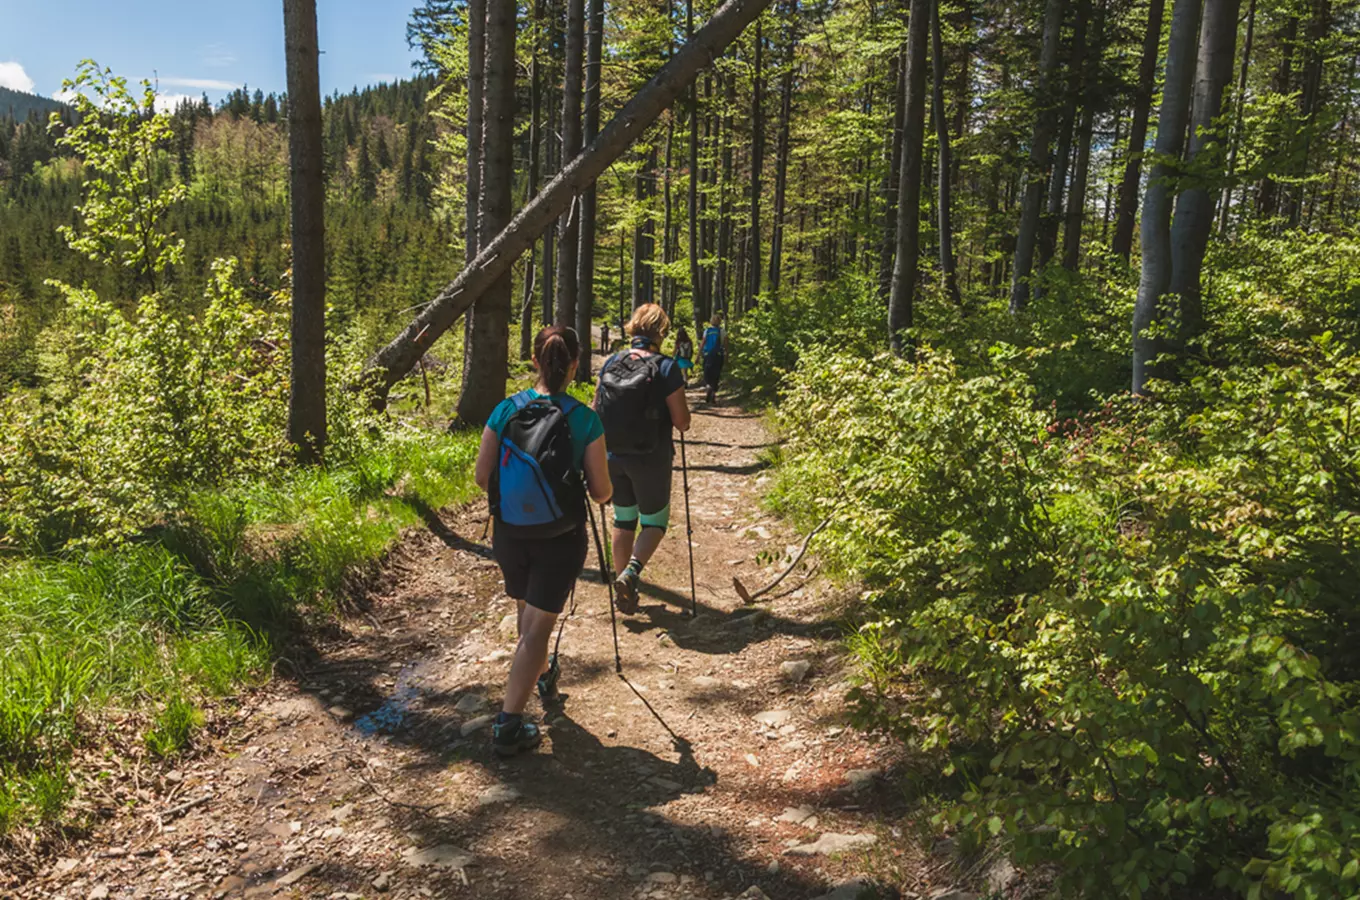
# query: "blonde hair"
[649,321]
[717,318]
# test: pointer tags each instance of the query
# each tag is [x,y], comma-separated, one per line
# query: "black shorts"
[541,571]
[642,481]
[713,366]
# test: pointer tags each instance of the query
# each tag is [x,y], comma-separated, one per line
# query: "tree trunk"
[724,287]
[897,74]
[307,180]
[1127,205]
[666,217]
[1032,206]
[1268,194]
[476,10]
[484,378]
[1195,205]
[526,315]
[585,295]
[757,162]
[569,228]
[1239,102]
[903,298]
[1057,186]
[1076,196]
[948,263]
[696,292]
[398,357]
[1310,97]
[1155,278]
[781,165]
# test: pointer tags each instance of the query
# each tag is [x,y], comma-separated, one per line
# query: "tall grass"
[190,610]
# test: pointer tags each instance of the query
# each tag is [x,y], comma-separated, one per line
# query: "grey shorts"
[642,488]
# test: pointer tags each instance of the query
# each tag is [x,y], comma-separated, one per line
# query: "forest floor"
[364,768]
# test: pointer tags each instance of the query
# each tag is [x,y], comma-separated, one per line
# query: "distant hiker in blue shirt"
[535,449]
[714,352]
[640,397]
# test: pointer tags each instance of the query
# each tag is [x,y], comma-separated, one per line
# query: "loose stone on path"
[831,842]
[442,856]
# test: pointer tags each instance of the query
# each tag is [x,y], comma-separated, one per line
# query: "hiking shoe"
[547,682]
[514,737]
[626,592]
[712,396]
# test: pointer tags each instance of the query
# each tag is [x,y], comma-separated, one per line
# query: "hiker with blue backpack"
[714,354]
[542,451]
[640,397]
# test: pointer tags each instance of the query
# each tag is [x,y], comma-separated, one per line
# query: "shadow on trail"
[747,469]
[440,529]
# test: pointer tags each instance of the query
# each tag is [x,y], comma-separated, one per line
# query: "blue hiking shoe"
[514,736]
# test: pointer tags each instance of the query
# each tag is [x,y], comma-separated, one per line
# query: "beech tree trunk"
[1195,205]
[585,278]
[569,228]
[526,314]
[897,74]
[1027,237]
[1155,278]
[307,197]
[1239,104]
[757,162]
[484,379]
[948,262]
[1127,205]
[902,301]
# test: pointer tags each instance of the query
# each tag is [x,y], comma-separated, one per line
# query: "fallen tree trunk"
[390,364]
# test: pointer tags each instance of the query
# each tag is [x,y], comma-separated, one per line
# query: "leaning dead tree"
[390,364]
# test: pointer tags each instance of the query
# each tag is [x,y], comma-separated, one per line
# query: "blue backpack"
[536,489]
[712,340]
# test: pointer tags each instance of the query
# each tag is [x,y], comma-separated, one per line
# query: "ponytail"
[555,349]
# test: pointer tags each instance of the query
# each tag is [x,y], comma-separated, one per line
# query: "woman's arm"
[678,405]
[597,471]
[486,458]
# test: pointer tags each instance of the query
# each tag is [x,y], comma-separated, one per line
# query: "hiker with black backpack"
[542,451]
[714,353]
[641,398]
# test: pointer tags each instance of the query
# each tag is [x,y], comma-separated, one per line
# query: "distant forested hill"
[17,105]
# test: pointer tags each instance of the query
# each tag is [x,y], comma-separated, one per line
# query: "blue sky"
[193,46]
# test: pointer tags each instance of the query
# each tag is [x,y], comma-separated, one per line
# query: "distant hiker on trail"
[535,447]
[640,397]
[714,352]
[684,352]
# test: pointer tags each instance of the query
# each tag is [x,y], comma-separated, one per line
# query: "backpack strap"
[522,399]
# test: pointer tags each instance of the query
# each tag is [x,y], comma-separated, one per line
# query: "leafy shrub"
[1130,636]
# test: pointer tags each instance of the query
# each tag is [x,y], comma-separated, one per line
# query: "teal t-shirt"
[585,425]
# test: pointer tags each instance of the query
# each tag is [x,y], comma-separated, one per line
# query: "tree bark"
[1155,278]
[307,183]
[696,292]
[484,378]
[724,287]
[948,262]
[526,316]
[476,74]
[1076,196]
[902,301]
[397,358]
[781,165]
[897,74]
[1195,205]
[1027,236]
[1239,103]
[757,162]
[585,298]
[1268,194]
[1062,157]
[1127,205]
[569,228]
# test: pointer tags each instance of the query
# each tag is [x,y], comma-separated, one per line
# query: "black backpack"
[536,489]
[629,405]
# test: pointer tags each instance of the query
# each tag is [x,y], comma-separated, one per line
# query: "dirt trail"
[367,771]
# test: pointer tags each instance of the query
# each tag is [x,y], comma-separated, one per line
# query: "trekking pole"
[689,530]
[605,573]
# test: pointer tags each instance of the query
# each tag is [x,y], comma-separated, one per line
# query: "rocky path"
[364,770]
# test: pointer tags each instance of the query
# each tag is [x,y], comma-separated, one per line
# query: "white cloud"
[205,84]
[13,76]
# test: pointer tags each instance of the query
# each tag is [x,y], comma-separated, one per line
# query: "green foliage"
[173,728]
[1132,635]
